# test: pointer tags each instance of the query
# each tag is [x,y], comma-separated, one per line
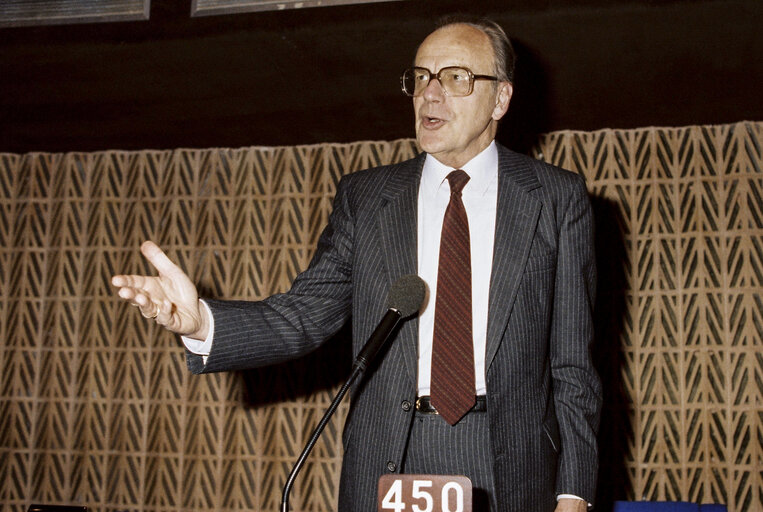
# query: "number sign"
[424,493]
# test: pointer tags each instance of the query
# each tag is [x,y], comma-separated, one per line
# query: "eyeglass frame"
[436,76]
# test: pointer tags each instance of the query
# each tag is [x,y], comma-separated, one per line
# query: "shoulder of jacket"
[382,172]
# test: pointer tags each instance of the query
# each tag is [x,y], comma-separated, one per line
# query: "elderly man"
[498,363]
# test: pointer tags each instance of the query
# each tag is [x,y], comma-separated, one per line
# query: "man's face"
[456,129]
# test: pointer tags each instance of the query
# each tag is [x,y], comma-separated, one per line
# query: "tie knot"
[457,180]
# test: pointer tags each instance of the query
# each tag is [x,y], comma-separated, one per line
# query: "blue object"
[665,506]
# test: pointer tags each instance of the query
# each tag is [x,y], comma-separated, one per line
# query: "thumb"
[159,259]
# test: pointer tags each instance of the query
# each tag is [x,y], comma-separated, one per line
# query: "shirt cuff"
[202,347]
[573,497]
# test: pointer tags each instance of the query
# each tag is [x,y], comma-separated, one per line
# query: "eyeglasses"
[455,80]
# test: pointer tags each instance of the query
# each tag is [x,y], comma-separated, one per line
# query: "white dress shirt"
[480,195]
[202,347]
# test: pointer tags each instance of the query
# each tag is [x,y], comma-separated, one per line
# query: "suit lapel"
[397,222]
[516,221]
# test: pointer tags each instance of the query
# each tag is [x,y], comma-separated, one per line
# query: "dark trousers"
[437,448]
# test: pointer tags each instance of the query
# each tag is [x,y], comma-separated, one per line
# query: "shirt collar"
[482,171]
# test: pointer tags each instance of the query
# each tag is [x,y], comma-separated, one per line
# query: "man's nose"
[433,91]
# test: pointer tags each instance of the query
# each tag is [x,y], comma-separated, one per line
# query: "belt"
[424,405]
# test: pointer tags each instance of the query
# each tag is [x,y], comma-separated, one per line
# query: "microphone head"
[406,295]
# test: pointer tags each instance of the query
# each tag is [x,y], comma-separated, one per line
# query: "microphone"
[406,295]
[405,298]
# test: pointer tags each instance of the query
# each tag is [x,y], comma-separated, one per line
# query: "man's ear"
[502,100]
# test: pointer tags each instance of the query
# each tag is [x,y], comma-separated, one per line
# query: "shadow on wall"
[528,114]
[322,370]
[615,431]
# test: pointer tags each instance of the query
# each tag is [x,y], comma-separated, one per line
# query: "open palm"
[169,298]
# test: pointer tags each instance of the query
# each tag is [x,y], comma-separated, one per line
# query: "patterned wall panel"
[97,408]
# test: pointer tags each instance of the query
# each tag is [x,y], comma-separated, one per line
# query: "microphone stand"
[382,333]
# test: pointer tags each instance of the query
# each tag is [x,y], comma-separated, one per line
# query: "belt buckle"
[425,409]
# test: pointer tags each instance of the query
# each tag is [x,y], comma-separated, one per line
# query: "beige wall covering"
[97,408]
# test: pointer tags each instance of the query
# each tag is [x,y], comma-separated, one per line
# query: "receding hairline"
[504,57]
[453,27]
[459,26]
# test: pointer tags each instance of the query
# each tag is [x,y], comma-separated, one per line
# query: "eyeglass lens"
[454,80]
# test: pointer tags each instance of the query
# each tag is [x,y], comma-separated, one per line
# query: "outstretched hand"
[170,298]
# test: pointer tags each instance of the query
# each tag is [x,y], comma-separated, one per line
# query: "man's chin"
[429,144]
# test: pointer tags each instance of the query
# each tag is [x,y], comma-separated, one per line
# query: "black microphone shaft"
[375,342]
[378,338]
[314,438]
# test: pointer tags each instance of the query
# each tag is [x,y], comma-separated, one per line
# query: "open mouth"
[431,122]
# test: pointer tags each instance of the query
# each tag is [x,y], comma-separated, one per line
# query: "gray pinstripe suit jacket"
[544,396]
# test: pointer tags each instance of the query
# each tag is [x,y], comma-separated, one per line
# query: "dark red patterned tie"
[452,386]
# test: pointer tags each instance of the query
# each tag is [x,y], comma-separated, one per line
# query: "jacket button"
[391,467]
[405,405]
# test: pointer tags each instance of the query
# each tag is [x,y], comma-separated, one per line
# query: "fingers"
[138,290]
[164,313]
[163,298]
[149,308]
[132,287]
[159,310]
[135,282]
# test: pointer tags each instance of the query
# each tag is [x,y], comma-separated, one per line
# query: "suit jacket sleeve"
[576,386]
[285,326]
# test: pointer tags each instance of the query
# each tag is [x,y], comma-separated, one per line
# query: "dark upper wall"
[331,74]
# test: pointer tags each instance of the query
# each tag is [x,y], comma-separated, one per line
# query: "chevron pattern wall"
[681,260]
[97,408]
